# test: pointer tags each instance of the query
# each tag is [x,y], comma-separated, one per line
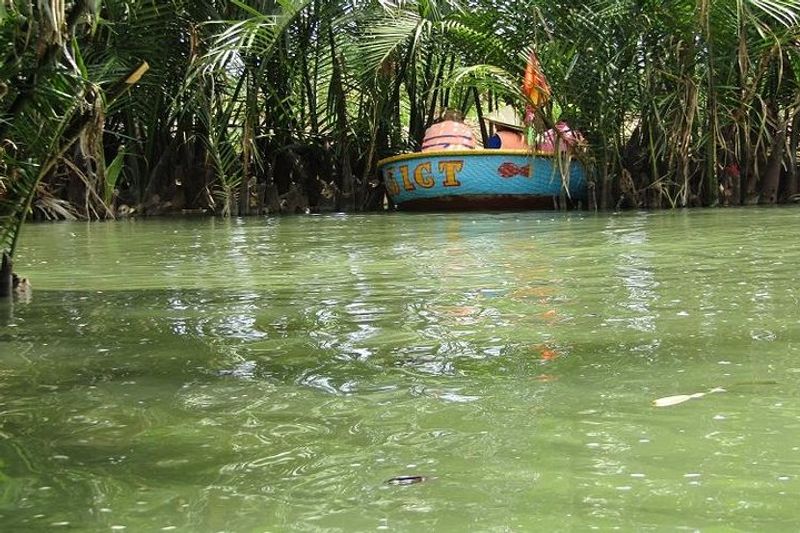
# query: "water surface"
[273,374]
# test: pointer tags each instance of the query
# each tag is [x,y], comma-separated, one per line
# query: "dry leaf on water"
[669,401]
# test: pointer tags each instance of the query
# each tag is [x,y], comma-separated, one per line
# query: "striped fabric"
[565,139]
[448,135]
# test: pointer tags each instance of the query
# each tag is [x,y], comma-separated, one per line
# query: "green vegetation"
[251,106]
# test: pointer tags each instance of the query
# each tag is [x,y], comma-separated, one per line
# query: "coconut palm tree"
[673,94]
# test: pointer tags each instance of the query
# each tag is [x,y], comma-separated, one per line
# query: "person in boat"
[449,133]
[508,130]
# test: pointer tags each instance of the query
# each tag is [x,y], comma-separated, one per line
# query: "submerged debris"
[407,480]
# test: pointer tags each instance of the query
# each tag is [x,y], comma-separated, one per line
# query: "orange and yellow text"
[422,175]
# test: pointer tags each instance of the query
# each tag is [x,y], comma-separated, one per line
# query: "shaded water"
[207,375]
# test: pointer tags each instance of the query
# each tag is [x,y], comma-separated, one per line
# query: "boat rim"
[460,153]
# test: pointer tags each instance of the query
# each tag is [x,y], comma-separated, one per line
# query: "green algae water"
[274,374]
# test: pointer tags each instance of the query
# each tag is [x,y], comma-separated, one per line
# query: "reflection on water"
[635,271]
[258,374]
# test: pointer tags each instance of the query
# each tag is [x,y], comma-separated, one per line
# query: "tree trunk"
[481,123]
[248,141]
[160,175]
[792,175]
[605,183]
[350,196]
[6,280]
[771,181]
[434,96]
[750,193]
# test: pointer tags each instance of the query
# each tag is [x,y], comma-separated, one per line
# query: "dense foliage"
[253,106]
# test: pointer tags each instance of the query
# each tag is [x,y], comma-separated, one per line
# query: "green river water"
[274,374]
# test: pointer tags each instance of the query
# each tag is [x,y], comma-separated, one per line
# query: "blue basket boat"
[483,179]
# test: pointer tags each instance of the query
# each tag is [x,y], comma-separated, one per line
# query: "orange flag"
[535,85]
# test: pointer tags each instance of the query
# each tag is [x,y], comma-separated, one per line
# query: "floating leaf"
[669,401]
[675,400]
